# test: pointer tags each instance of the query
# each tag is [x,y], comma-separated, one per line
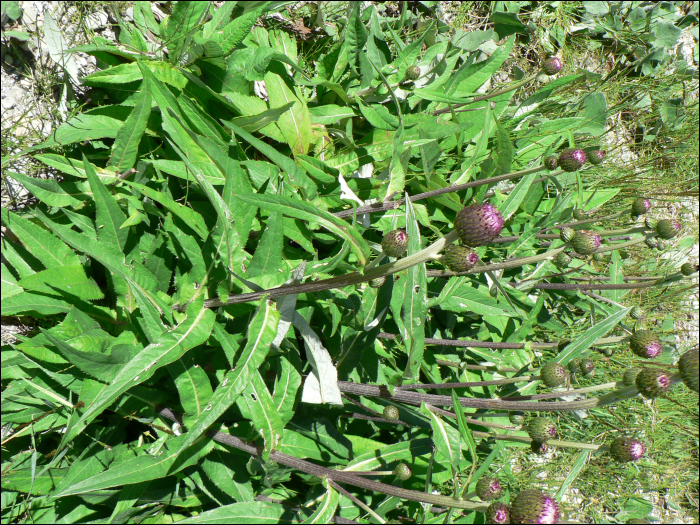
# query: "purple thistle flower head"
[624,449]
[571,159]
[534,506]
[646,344]
[478,224]
[596,157]
[552,66]
[668,228]
[498,513]
[640,206]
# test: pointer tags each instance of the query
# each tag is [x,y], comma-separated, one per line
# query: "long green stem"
[339,476]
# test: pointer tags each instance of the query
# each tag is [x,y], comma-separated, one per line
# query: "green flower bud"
[516,418]
[667,228]
[624,449]
[688,269]
[566,234]
[596,157]
[489,489]
[412,73]
[378,282]
[640,206]
[403,471]
[391,413]
[572,159]
[646,344]
[575,366]
[652,382]
[460,258]
[395,243]
[562,260]
[585,243]
[688,367]
[553,374]
[498,513]
[541,429]
[551,162]
[534,506]
[478,224]
[552,66]
[637,313]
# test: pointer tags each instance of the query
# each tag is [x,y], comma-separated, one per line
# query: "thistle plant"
[204,281]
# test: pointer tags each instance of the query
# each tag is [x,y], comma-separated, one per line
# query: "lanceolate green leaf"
[169,347]
[445,436]
[185,18]
[583,342]
[308,212]
[262,408]
[268,254]
[109,215]
[253,512]
[326,508]
[192,384]
[261,333]
[51,251]
[414,311]
[142,467]
[126,145]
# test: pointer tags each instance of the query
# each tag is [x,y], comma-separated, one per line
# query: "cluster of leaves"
[214,159]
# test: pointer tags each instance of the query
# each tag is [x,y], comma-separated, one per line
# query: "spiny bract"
[554,374]
[552,66]
[688,367]
[652,382]
[498,513]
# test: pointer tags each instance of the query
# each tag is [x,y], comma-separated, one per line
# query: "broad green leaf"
[48,191]
[287,383]
[184,20]
[261,332]
[308,212]
[468,299]
[404,451]
[192,384]
[355,34]
[133,71]
[126,144]
[464,430]
[229,474]
[190,217]
[68,280]
[28,302]
[295,124]
[516,197]
[296,176]
[268,254]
